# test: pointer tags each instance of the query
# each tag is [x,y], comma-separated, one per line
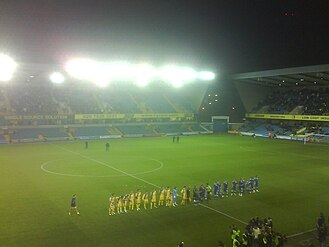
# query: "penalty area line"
[143,180]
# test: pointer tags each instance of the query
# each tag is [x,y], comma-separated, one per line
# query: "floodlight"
[100,79]
[81,68]
[100,82]
[177,83]
[7,67]
[206,75]
[57,78]
[120,71]
[177,76]
[143,74]
[187,74]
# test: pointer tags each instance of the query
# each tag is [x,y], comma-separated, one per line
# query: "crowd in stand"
[28,99]
[31,100]
[313,102]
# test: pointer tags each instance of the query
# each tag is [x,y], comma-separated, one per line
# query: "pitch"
[38,180]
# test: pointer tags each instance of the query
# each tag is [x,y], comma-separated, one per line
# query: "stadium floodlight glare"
[144,74]
[206,75]
[187,74]
[121,71]
[7,67]
[101,82]
[177,76]
[81,68]
[177,83]
[57,78]
[98,75]
[141,74]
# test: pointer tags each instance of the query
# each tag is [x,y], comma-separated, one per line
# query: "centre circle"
[117,167]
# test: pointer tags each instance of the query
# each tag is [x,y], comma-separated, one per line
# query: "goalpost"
[220,123]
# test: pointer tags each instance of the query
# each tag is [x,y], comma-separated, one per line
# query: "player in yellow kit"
[125,202]
[120,204]
[145,198]
[169,200]
[131,201]
[184,196]
[168,197]
[154,199]
[112,205]
[138,200]
[161,197]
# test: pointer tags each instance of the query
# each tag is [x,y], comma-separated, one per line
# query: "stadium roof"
[298,76]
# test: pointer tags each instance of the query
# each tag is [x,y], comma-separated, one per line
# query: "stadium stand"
[2,139]
[311,102]
[157,102]
[134,129]
[26,134]
[53,132]
[172,128]
[90,131]
[41,112]
[30,99]
[291,103]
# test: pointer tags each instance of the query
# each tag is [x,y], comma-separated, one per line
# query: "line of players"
[167,197]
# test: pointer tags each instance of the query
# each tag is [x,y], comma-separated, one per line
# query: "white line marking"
[107,165]
[301,233]
[43,165]
[222,213]
[143,180]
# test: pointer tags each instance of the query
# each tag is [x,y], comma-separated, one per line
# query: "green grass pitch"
[34,202]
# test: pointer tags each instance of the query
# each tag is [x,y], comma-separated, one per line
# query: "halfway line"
[104,164]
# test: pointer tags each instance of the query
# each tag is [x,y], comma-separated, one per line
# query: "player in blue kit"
[216,190]
[196,197]
[220,189]
[233,189]
[225,189]
[256,183]
[202,191]
[249,185]
[174,197]
[74,205]
[241,186]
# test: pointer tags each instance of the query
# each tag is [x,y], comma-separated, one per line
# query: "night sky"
[226,36]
